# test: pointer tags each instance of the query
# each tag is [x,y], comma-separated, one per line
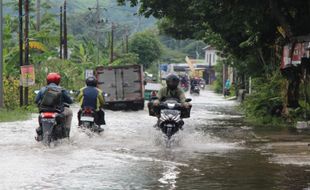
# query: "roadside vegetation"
[14,115]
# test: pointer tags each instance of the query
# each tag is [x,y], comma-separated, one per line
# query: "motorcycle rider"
[184,81]
[172,90]
[53,98]
[92,97]
[227,88]
[194,83]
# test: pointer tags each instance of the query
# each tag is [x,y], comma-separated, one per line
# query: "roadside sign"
[89,73]
[286,56]
[27,75]
[298,53]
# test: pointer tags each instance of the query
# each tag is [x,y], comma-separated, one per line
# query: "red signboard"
[292,57]
[298,53]
[27,75]
[286,56]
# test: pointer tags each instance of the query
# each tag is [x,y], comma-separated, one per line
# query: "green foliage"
[267,99]
[83,53]
[147,47]
[72,74]
[172,56]
[11,95]
[153,69]
[303,112]
[13,115]
[126,59]
[218,83]
[247,30]
[195,49]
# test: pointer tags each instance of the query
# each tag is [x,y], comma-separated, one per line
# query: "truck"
[123,86]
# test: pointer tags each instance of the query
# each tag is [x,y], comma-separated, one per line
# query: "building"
[211,59]
[210,56]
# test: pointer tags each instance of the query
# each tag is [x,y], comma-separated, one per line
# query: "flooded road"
[216,150]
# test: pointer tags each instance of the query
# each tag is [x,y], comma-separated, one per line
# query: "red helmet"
[53,78]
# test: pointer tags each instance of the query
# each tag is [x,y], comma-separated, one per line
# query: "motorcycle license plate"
[48,120]
[85,118]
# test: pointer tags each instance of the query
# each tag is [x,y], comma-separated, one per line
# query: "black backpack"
[51,100]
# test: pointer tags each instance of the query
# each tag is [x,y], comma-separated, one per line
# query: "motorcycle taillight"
[88,111]
[48,115]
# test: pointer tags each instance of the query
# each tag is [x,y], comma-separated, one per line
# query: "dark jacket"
[65,98]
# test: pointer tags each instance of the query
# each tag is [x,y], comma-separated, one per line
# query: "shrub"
[267,100]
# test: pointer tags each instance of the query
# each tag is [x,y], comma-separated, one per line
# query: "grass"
[14,115]
[268,121]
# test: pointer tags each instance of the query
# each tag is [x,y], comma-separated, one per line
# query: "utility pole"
[224,78]
[26,44]
[38,5]
[1,56]
[98,21]
[21,61]
[112,43]
[65,32]
[60,37]
[97,31]
[123,45]
[126,39]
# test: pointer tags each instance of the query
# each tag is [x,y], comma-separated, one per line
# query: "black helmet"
[91,81]
[172,81]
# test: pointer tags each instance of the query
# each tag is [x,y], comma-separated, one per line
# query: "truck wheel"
[140,106]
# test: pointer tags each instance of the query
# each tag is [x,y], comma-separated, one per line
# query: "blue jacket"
[91,97]
[64,99]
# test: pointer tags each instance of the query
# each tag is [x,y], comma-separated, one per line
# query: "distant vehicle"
[195,90]
[202,84]
[151,90]
[123,86]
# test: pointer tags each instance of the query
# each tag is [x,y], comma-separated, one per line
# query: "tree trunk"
[280,18]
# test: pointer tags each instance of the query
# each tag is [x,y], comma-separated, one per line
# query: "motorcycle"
[171,115]
[195,90]
[226,92]
[52,126]
[202,84]
[87,121]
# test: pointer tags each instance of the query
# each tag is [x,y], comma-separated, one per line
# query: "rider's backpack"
[51,100]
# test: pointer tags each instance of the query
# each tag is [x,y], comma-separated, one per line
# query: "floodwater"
[216,150]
